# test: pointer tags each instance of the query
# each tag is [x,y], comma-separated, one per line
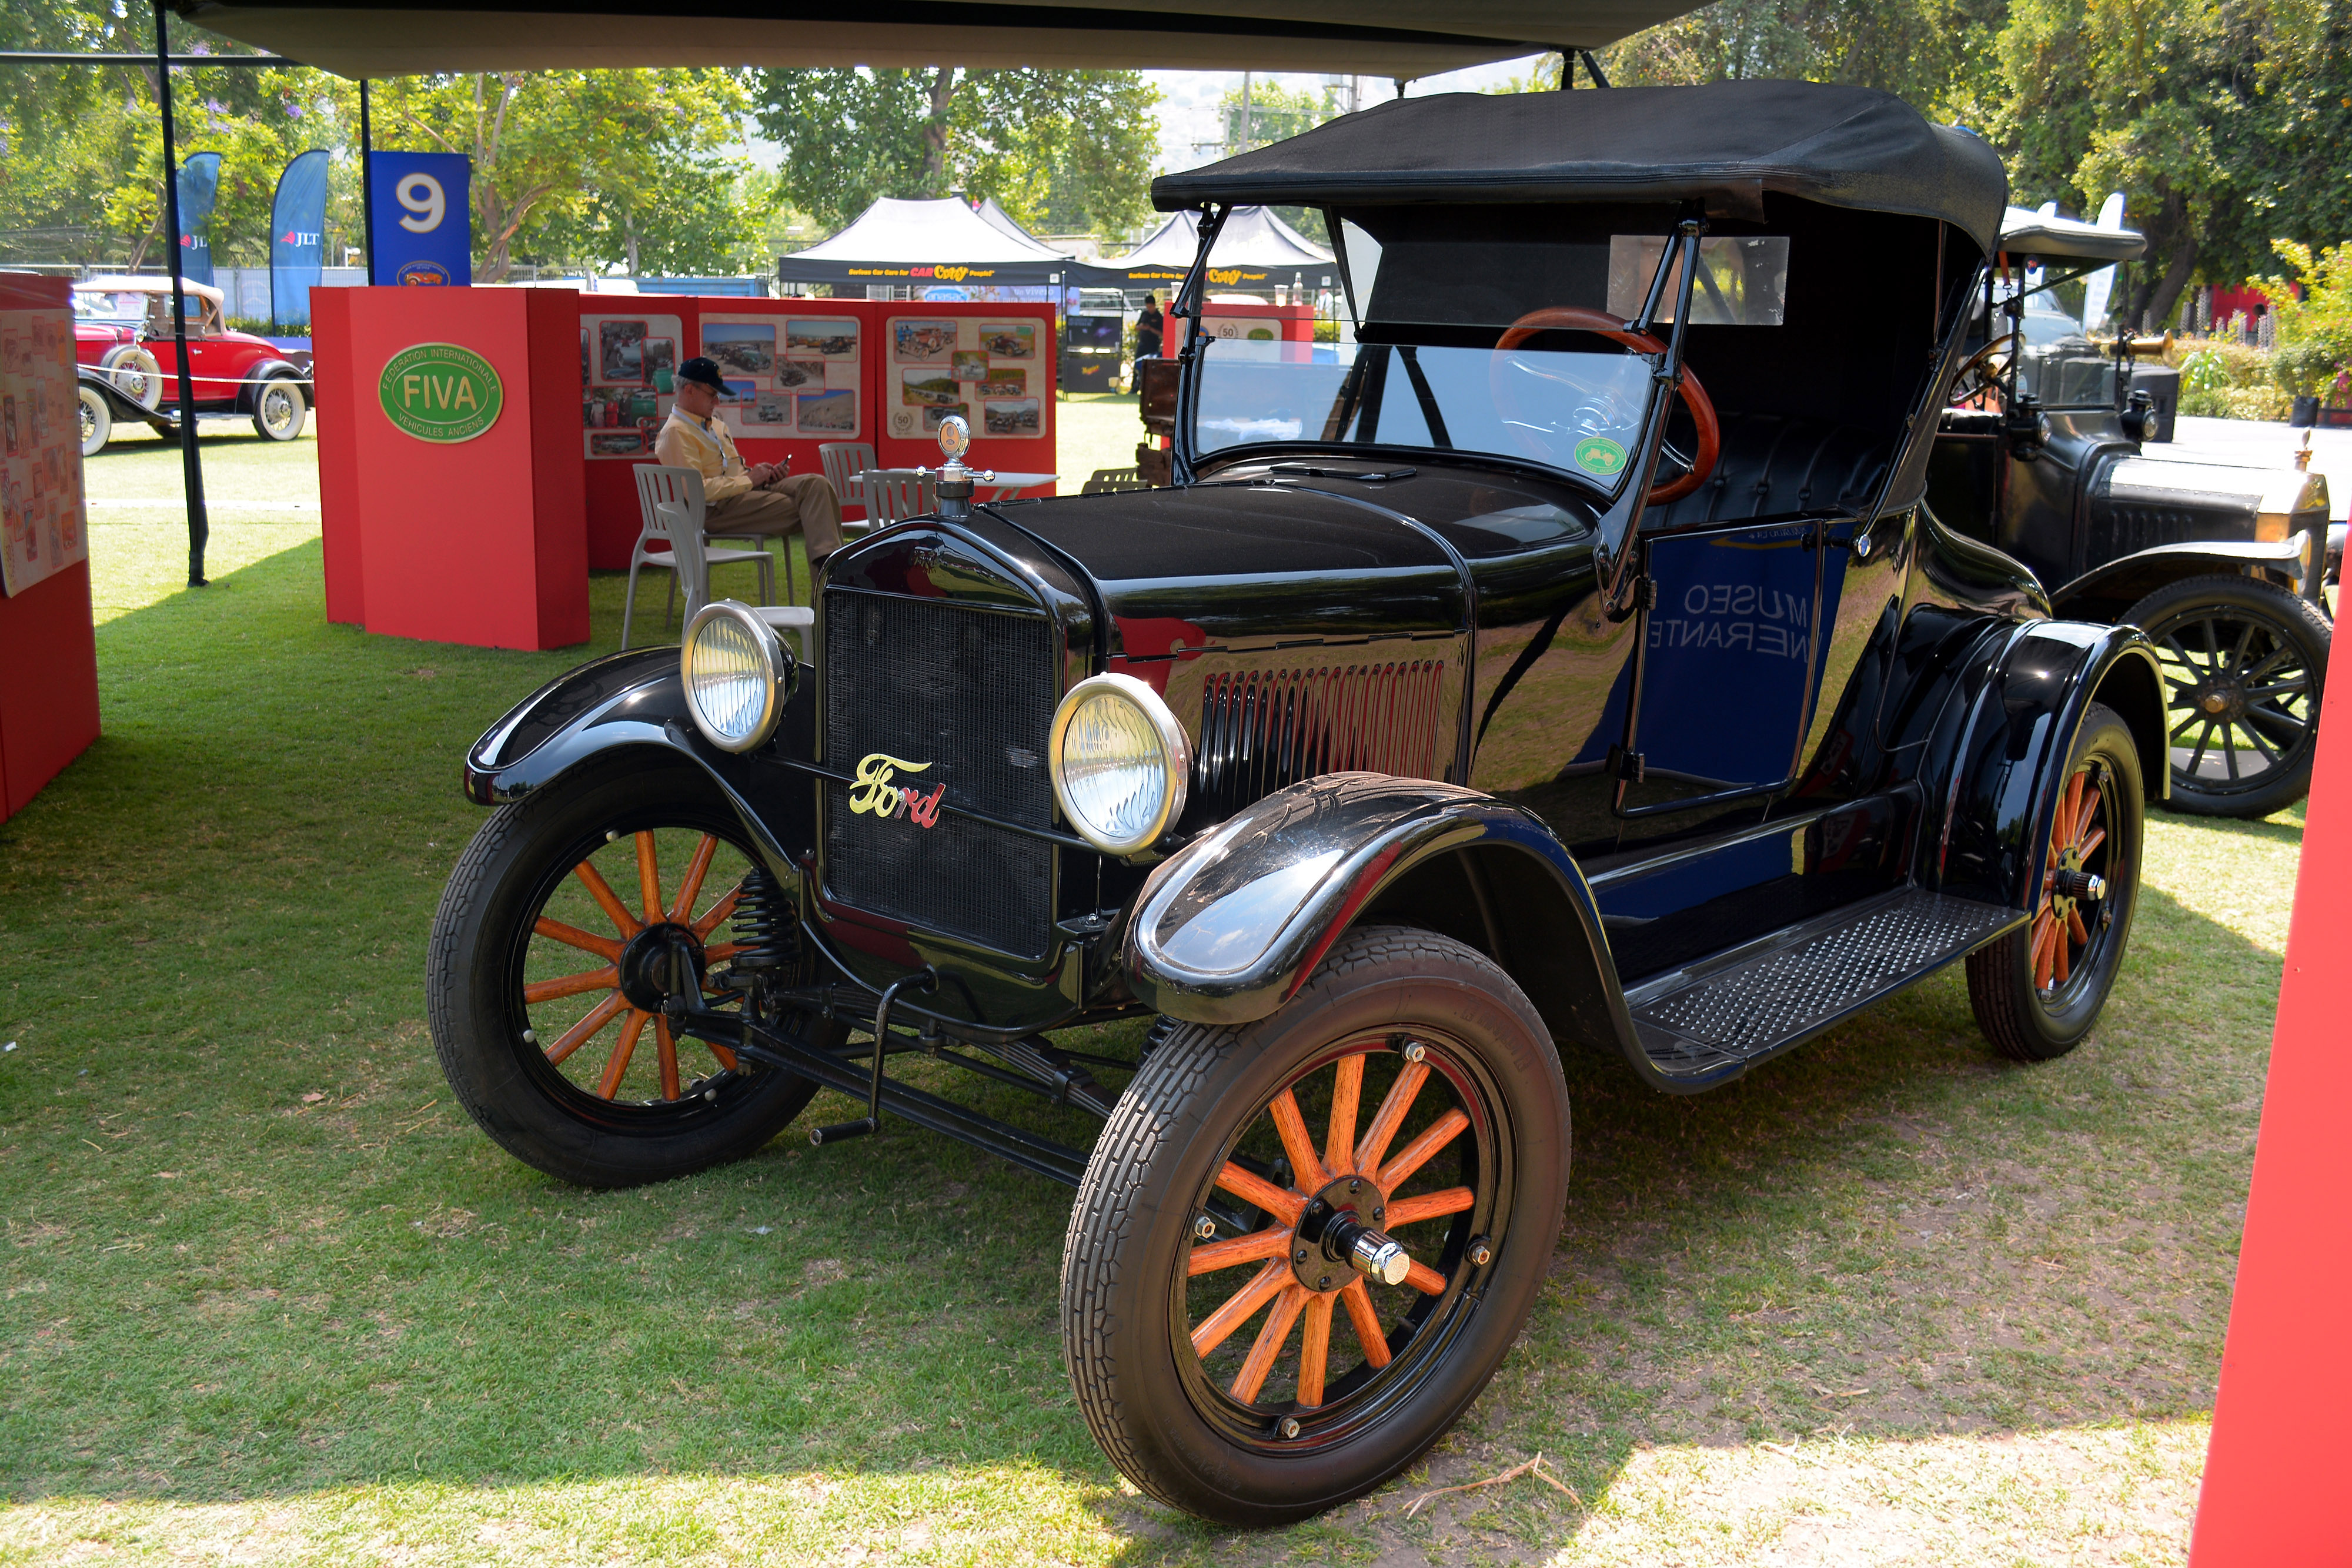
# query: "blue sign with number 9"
[420,206]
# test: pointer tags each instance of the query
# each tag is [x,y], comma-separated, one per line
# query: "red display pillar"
[437,530]
[1258,323]
[2275,1490]
[49,650]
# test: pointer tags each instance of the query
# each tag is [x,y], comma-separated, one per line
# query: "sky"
[1188,99]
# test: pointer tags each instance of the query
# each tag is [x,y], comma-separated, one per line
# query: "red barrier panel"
[49,652]
[2275,1492]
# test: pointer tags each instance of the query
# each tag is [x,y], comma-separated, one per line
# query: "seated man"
[754,501]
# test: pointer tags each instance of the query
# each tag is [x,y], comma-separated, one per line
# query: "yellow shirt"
[707,447]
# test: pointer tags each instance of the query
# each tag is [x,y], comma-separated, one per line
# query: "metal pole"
[191,467]
[367,185]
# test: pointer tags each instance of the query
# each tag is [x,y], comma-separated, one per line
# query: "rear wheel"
[279,409]
[1241,1346]
[2243,662]
[564,924]
[97,422]
[2037,992]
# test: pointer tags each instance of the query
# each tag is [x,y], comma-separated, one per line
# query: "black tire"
[1131,1304]
[278,408]
[2244,661]
[96,420]
[2037,991]
[517,1070]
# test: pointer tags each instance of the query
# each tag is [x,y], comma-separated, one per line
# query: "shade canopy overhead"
[2067,242]
[927,242]
[1398,38]
[1729,142]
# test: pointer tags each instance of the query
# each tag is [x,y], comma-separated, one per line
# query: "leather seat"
[1773,465]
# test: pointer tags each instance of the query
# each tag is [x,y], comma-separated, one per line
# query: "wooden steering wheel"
[1576,318]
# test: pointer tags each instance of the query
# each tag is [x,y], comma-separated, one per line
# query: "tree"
[1935,54]
[1063,146]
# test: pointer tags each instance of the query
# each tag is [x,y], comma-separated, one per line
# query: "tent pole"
[192,466]
[367,185]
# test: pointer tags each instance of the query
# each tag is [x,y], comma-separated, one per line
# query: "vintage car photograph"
[1565,665]
[127,362]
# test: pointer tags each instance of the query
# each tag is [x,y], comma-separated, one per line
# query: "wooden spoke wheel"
[1230,1351]
[575,913]
[2038,990]
[2244,664]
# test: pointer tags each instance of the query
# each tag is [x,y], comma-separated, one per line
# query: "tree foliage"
[1060,151]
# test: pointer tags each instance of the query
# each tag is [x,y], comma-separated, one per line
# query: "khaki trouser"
[803,503]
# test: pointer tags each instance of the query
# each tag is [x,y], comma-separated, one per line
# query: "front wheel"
[2037,992]
[2243,662]
[569,918]
[278,412]
[1373,1177]
[97,422]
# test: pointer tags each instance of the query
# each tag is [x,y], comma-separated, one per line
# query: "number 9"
[421,195]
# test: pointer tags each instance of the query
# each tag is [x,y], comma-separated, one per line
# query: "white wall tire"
[97,420]
[279,409]
[135,375]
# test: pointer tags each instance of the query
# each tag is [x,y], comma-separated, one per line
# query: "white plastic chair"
[846,463]
[670,500]
[894,494]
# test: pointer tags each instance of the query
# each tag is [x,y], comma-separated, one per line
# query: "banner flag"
[421,204]
[297,238]
[199,182]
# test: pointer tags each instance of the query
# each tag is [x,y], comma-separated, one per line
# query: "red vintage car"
[129,362]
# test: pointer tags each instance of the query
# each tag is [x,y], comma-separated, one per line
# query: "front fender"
[1227,929]
[2010,745]
[2107,591]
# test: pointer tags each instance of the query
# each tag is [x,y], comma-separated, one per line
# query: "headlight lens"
[1120,762]
[737,675]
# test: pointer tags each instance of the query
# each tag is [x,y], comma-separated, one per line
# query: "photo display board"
[42,530]
[991,371]
[628,370]
[789,377]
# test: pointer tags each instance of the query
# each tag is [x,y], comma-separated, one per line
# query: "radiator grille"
[1263,729]
[972,693]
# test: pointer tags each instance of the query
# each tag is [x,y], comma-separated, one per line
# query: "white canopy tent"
[1254,245]
[917,243]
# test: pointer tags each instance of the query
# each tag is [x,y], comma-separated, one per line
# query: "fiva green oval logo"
[1599,454]
[440,391]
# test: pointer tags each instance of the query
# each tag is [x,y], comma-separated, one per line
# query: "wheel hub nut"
[2081,884]
[1379,1257]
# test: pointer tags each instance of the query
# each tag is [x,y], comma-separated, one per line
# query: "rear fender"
[2293,563]
[1227,929]
[2006,750]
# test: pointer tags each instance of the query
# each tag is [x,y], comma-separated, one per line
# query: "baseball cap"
[703,370]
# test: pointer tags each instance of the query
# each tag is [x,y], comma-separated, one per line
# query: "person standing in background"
[1150,329]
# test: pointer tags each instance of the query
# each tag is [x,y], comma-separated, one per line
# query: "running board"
[1712,1020]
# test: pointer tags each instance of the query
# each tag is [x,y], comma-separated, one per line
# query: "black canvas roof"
[1845,146]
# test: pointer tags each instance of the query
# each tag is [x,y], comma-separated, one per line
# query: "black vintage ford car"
[1420,734]
[2045,455]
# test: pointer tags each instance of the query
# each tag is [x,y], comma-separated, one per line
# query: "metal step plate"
[1731,1011]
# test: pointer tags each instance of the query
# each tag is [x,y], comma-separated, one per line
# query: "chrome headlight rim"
[1175,751]
[780,663]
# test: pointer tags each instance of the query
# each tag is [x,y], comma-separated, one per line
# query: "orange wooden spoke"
[1429,1205]
[2082,821]
[1219,1325]
[1339,1144]
[607,899]
[1306,1170]
[691,888]
[1416,1153]
[573,936]
[2074,926]
[2059,967]
[1270,1340]
[2069,806]
[571,985]
[1391,1115]
[726,1057]
[1271,1243]
[649,877]
[1314,1349]
[668,1058]
[1425,1280]
[2045,930]
[2092,841]
[616,1066]
[1367,1319]
[718,912]
[1282,1204]
[580,1033]
[720,952]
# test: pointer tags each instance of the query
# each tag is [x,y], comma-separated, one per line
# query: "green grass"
[271,1299]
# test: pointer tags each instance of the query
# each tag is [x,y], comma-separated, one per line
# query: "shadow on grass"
[255,1252]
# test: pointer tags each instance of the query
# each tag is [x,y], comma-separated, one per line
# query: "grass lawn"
[271,1299]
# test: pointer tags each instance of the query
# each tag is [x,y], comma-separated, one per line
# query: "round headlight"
[737,674]
[1120,763]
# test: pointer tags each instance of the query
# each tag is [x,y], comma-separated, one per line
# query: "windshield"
[1578,412]
[101,304]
